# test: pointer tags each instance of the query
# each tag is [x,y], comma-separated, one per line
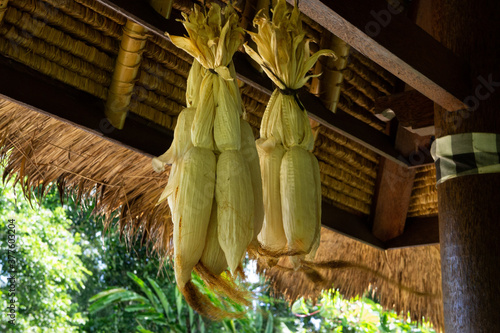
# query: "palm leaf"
[154,301]
[161,295]
[139,307]
[106,293]
[269,326]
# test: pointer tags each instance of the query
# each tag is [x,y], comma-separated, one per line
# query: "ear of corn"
[193,84]
[271,121]
[227,134]
[174,155]
[213,257]
[292,121]
[249,152]
[235,206]
[191,212]
[298,200]
[272,235]
[203,123]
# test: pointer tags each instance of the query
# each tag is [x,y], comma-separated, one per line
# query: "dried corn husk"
[299,200]
[235,206]
[191,213]
[193,84]
[282,49]
[283,53]
[180,146]
[272,235]
[213,257]
[249,153]
[213,37]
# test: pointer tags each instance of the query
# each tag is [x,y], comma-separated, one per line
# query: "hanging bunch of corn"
[214,191]
[290,172]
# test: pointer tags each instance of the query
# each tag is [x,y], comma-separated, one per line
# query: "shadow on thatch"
[404,279]
[37,150]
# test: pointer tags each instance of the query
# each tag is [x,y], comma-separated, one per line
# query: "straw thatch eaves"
[352,267]
[76,44]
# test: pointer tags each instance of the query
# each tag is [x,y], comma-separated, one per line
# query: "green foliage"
[154,311]
[68,264]
[48,266]
[333,313]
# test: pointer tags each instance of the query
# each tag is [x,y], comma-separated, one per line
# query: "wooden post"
[469,206]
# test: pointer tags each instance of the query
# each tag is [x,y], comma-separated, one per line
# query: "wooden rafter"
[397,44]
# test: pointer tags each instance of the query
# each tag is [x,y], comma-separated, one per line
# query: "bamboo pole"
[164,7]
[332,69]
[3,8]
[126,69]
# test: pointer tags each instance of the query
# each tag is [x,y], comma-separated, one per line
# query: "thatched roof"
[76,43]
[407,279]
[38,151]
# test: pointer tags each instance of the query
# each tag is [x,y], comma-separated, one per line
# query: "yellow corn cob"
[191,213]
[299,200]
[272,235]
[249,152]
[213,258]
[235,206]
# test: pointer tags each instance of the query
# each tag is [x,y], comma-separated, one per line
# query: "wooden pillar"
[469,207]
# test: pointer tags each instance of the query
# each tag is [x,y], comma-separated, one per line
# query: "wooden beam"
[391,40]
[141,12]
[350,225]
[391,199]
[419,231]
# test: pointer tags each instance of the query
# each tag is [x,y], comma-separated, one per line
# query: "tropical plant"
[333,313]
[164,309]
[47,265]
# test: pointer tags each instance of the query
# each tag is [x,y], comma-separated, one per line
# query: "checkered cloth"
[466,154]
